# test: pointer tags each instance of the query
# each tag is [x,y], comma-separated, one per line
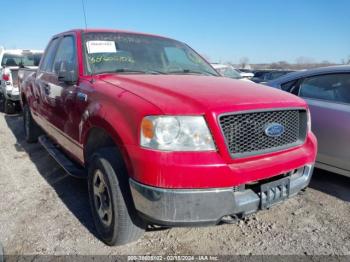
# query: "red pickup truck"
[160,136]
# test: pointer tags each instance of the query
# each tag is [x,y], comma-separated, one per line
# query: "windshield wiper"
[126,70]
[189,71]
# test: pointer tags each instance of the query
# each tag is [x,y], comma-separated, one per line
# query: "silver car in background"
[327,92]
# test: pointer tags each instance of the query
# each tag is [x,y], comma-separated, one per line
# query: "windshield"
[25,59]
[229,72]
[133,53]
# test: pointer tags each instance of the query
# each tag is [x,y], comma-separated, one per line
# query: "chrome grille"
[245,135]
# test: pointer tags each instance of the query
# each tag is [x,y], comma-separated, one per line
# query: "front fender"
[120,117]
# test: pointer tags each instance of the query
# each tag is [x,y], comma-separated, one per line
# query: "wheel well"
[24,100]
[97,138]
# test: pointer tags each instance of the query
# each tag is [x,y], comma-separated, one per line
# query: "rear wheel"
[31,130]
[113,210]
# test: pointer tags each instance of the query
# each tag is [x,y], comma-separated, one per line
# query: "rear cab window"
[20,60]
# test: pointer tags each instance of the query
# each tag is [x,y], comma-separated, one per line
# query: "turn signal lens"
[147,128]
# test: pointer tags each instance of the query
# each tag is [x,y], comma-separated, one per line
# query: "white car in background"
[245,73]
[229,71]
[11,62]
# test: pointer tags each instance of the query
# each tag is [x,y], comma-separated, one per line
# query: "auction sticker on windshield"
[101,47]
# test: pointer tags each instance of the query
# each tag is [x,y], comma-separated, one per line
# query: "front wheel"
[113,210]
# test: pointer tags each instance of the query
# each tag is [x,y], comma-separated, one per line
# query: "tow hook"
[230,219]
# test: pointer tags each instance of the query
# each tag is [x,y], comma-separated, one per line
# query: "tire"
[2,102]
[8,107]
[115,218]
[18,107]
[31,129]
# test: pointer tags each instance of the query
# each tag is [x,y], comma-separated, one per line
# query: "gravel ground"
[44,211]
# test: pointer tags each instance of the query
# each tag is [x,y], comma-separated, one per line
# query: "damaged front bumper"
[185,207]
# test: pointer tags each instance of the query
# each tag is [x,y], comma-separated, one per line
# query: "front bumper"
[182,207]
[12,95]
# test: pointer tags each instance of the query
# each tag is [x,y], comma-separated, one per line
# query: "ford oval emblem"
[274,130]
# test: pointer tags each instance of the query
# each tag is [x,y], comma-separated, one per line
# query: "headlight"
[308,121]
[176,133]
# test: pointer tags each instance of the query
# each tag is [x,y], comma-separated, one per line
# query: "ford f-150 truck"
[161,137]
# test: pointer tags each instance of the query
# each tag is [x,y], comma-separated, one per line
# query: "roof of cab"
[89,30]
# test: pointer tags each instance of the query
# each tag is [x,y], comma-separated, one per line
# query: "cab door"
[64,111]
[42,101]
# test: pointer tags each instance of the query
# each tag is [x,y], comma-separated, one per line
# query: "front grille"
[245,132]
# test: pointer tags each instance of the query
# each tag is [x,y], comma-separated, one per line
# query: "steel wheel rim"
[102,199]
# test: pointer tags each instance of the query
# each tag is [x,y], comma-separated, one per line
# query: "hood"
[193,94]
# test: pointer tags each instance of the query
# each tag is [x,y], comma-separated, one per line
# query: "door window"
[49,56]
[331,87]
[291,86]
[66,56]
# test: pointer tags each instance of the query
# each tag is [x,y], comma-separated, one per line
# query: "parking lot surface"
[44,211]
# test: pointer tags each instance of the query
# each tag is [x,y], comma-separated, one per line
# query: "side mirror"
[68,77]
[67,74]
